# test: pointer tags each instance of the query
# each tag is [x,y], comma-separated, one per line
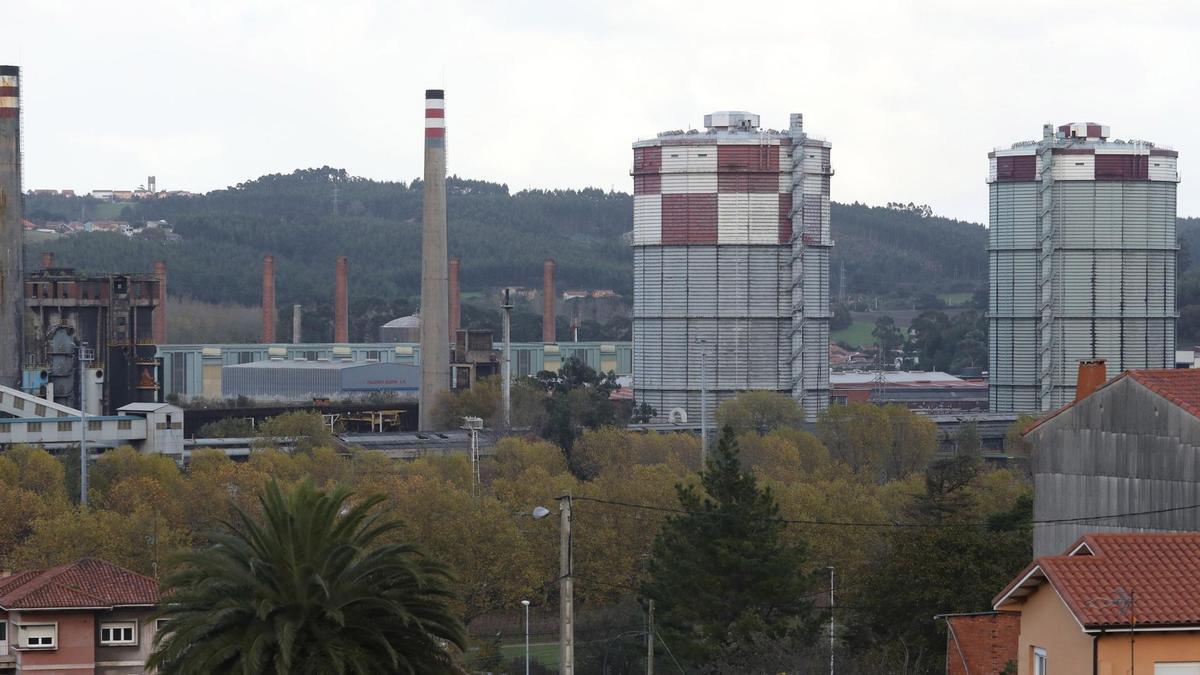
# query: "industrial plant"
[1082,257]
[731,265]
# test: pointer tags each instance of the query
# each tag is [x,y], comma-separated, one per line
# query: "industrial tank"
[731,264]
[1082,262]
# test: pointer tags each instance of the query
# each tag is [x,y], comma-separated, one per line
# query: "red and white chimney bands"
[435,118]
[10,100]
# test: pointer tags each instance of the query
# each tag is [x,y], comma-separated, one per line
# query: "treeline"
[864,465]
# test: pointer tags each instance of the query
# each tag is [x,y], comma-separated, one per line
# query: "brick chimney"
[549,332]
[1092,375]
[455,299]
[268,299]
[160,312]
[47,260]
[341,303]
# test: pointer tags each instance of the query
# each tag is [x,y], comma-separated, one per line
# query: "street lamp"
[566,587]
[703,401]
[85,356]
[526,603]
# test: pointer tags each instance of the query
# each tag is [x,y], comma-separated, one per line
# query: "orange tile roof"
[1180,386]
[1161,571]
[88,582]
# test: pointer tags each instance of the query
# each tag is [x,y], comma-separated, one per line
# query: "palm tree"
[307,589]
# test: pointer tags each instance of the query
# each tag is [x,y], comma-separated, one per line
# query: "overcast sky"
[551,93]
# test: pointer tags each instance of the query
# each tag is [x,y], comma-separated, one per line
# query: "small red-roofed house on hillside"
[1128,446]
[1113,603]
[86,617]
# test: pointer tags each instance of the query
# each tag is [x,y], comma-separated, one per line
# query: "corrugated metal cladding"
[1081,254]
[715,271]
[284,380]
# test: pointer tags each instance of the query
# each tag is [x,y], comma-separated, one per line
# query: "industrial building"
[925,391]
[1130,446]
[1082,262]
[197,371]
[731,264]
[298,380]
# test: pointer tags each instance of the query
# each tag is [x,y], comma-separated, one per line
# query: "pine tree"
[720,575]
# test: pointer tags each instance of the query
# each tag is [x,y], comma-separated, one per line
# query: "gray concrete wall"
[1124,449]
[11,212]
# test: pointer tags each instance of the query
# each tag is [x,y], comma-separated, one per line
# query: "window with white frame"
[38,635]
[1040,663]
[118,633]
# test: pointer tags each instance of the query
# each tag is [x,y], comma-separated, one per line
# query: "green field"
[545,654]
[955,299]
[857,334]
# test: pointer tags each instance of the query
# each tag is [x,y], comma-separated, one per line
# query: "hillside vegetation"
[893,254]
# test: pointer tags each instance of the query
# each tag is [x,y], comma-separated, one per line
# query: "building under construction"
[731,249]
[1082,260]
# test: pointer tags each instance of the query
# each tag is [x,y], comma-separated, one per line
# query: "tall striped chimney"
[549,327]
[268,299]
[160,312]
[341,303]
[435,334]
[455,299]
[12,285]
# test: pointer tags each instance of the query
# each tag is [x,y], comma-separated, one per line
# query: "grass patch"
[956,299]
[545,654]
[857,334]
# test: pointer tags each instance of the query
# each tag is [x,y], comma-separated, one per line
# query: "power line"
[897,525]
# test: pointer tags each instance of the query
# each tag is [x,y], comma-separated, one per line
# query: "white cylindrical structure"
[731,250]
[1081,251]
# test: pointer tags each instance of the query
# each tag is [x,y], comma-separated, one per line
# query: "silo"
[1082,262]
[731,264]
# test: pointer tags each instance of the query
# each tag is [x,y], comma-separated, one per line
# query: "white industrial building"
[731,264]
[1082,262]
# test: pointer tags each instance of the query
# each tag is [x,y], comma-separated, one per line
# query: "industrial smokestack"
[12,285]
[341,303]
[549,329]
[160,312]
[435,336]
[47,260]
[455,299]
[295,324]
[268,299]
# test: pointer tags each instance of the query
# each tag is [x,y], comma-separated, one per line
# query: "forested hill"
[502,238]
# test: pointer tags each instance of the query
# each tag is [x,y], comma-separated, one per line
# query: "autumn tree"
[720,573]
[759,411]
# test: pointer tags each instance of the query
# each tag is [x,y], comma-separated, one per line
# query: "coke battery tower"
[435,311]
[11,263]
[731,265]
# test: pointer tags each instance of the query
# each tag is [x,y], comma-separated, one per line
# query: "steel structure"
[1082,262]
[731,254]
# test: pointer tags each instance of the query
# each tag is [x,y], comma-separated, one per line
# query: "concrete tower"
[549,295]
[1081,256]
[11,213]
[435,310]
[731,265]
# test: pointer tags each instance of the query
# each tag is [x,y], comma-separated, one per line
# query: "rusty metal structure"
[268,299]
[549,316]
[341,302]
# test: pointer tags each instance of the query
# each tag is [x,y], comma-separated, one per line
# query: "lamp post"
[566,586]
[86,355]
[526,603]
[831,620]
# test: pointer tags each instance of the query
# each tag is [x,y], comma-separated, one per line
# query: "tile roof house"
[1113,603]
[89,616]
[1130,445]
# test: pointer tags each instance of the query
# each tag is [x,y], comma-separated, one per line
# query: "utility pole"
[86,356]
[703,401]
[506,384]
[566,603]
[831,620]
[650,639]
